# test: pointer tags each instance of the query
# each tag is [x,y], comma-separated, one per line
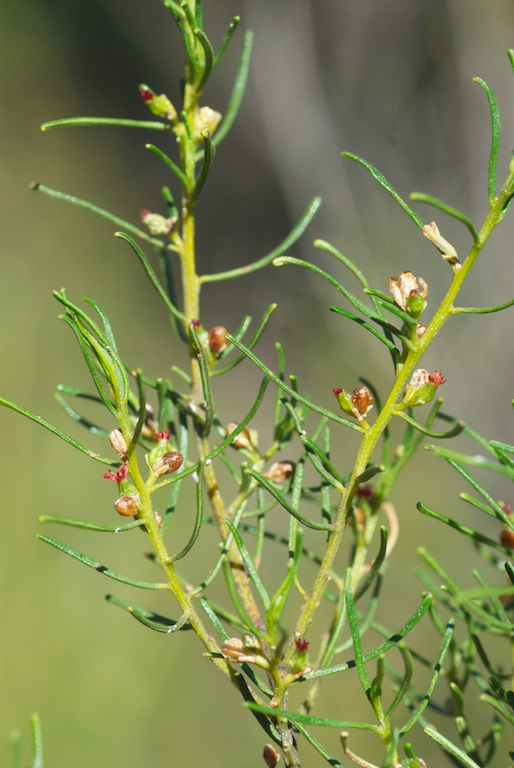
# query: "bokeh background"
[390,81]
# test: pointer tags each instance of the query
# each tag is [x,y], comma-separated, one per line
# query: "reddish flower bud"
[406,293]
[126,506]
[169,462]
[218,339]
[362,402]
[364,492]
[507,509]
[301,645]
[164,435]
[507,538]
[196,324]
[146,93]
[422,387]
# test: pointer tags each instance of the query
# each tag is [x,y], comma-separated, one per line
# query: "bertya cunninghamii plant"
[152,453]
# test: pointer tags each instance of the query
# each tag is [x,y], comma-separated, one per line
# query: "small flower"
[127,506]
[169,462]
[362,402]
[164,435]
[120,475]
[422,387]
[280,471]
[301,645]
[364,492]
[432,233]
[300,661]
[205,118]
[406,293]
[157,224]
[344,399]
[158,105]
[218,339]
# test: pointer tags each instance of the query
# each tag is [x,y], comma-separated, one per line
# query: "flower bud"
[300,661]
[170,461]
[271,755]
[218,340]
[154,458]
[362,402]
[344,399]
[205,118]
[118,442]
[432,233]
[127,506]
[507,538]
[158,105]
[280,471]
[243,439]
[157,224]
[422,387]
[406,293]
[234,650]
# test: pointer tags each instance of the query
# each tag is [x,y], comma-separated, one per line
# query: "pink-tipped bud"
[271,755]
[280,471]
[218,339]
[169,462]
[146,94]
[362,402]
[344,399]
[157,224]
[422,387]
[126,506]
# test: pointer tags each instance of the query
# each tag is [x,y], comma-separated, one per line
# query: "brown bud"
[117,441]
[507,538]
[169,462]
[420,330]
[126,506]
[236,650]
[280,471]
[362,402]
[243,439]
[218,339]
[271,755]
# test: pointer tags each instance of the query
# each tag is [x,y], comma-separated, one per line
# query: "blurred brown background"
[390,81]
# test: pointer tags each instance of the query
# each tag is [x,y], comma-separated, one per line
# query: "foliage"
[184,441]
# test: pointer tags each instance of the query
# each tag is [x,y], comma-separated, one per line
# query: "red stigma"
[144,213]
[118,476]
[436,378]
[301,645]
[337,391]
[507,509]
[196,324]
[146,94]
[364,492]
[164,435]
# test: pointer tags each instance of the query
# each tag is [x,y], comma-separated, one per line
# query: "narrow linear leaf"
[238,89]
[495,142]
[421,197]
[99,567]
[176,170]
[15,738]
[106,121]
[385,184]
[208,54]
[456,430]
[368,327]
[199,514]
[251,344]
[448,634]
[149,618]
[55,431]
[93,428]
[319,747]
[451,748]
[282,385]
[96,209]
[208,403]
[373,571]
[296,717]
[250,567]
[37,743]
[152,277]
[463,529]
[292,237]
[88,526]
[280,498]
[207,162]
[483,310]
[226,40]
[357,648]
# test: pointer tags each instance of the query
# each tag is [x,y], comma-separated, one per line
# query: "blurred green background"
[390,81]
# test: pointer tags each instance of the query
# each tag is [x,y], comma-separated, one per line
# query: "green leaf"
[463,529]
[95,209]
[252,572]
[226,40]
[88,526]
[319,747]
[251,344]
[237,91]
[296,717]
[368,327]
[15,737]
[99,567]
[37,744]
[55,431]
[373,571]
[495,143]
[292,237]
[282,385]
[450,626]
[106,121]
[207,162]
[385,184]
[199,514]
[483,310]
[176,170]
[456,430]
[152,276]
[451,748]
[208,54]
[149,618]
[208,404]
[421,197]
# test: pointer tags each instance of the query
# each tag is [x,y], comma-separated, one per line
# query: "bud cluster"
[406,292]
[422,387]
[245,650]
[357,404]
